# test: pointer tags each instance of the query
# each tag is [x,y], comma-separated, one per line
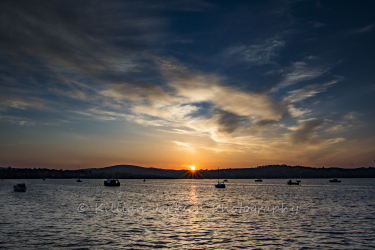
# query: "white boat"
[258,180]
[79,180]
[20,187]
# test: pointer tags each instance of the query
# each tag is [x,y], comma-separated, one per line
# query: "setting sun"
[192,168]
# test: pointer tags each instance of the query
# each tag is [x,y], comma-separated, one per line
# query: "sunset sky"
[170,84]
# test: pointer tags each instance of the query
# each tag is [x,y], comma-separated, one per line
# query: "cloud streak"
[308,91]
[259,54]
[298,72]
[365,29]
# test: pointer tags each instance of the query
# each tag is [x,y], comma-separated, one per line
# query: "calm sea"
[188,214]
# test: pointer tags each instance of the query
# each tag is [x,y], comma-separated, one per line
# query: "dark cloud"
[89,36]
[237,126]
[263,123]
[306,132]
[137,91]
[228,122]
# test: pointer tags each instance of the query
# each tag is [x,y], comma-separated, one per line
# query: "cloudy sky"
[174,83]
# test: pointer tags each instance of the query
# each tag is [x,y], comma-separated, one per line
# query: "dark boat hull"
[19,188]
[292,183]
[220,185]
[112,183]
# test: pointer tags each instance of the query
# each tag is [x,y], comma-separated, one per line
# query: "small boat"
[219,185]
[290,182]
[258,180]
[112,182]
[225,180]
[298,181]
[144,180]
[79,180]
[20,187]
[334,180]
[44,179]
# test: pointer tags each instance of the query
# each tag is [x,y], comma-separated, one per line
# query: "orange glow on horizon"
[192,168]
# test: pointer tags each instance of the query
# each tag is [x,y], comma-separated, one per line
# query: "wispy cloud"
[352,116]
[20,102]
[183,144]
[83,41]
[259,53]
[22,121]
[365,29]
[317,24]
[297,112]
[299,72]
[211,88]
[344,123]
[308,91]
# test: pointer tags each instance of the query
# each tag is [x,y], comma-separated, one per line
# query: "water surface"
[188,214]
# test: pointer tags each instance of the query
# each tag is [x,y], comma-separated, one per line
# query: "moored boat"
[290,182]
[258,180]
[112,182]
[20,187]
[219,185]
[334,180]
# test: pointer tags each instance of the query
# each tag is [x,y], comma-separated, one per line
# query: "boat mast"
[218,175]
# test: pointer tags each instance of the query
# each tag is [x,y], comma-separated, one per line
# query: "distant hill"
[131,172]
[140,172]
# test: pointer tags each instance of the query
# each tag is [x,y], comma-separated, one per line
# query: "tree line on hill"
[136,172]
